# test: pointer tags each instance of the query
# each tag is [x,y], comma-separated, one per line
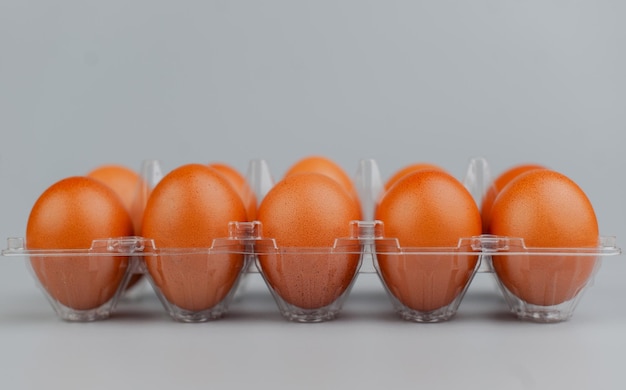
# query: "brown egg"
[70,214]
[425,209]
[498,184]
[547,210]
[239,183]
[126,183]
[189,208]
[410,169]
[325,166]
[305,213]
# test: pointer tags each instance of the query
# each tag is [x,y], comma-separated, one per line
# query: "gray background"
[84,83]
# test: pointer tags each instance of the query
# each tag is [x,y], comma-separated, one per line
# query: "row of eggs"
[422,206]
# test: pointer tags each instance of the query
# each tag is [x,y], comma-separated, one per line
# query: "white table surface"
[368,346]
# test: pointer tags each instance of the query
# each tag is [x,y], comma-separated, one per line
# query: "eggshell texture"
[122,180]
[498,184]
[428,208]
[547,210]
[308,210]
[410,169]
[70,214]
[189,208]
[325,166]
[239,183]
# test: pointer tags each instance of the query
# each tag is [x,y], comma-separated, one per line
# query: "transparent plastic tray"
[312,284]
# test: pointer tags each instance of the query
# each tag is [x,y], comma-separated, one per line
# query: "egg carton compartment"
[82,284]
[544,284]
[199,284]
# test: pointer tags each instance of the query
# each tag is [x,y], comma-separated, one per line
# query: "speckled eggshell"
[70,214]
[304,213]
[425,209]
[189,208]
[547,210]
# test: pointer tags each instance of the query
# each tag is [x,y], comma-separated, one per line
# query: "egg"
[425,209]
[304,213]
[70,214]
[498,184]
[410,169]
[126,183]
[239,183]
[189,208]
[547,210]
[325,166]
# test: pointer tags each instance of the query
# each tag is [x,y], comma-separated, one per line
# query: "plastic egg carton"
[312,284]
